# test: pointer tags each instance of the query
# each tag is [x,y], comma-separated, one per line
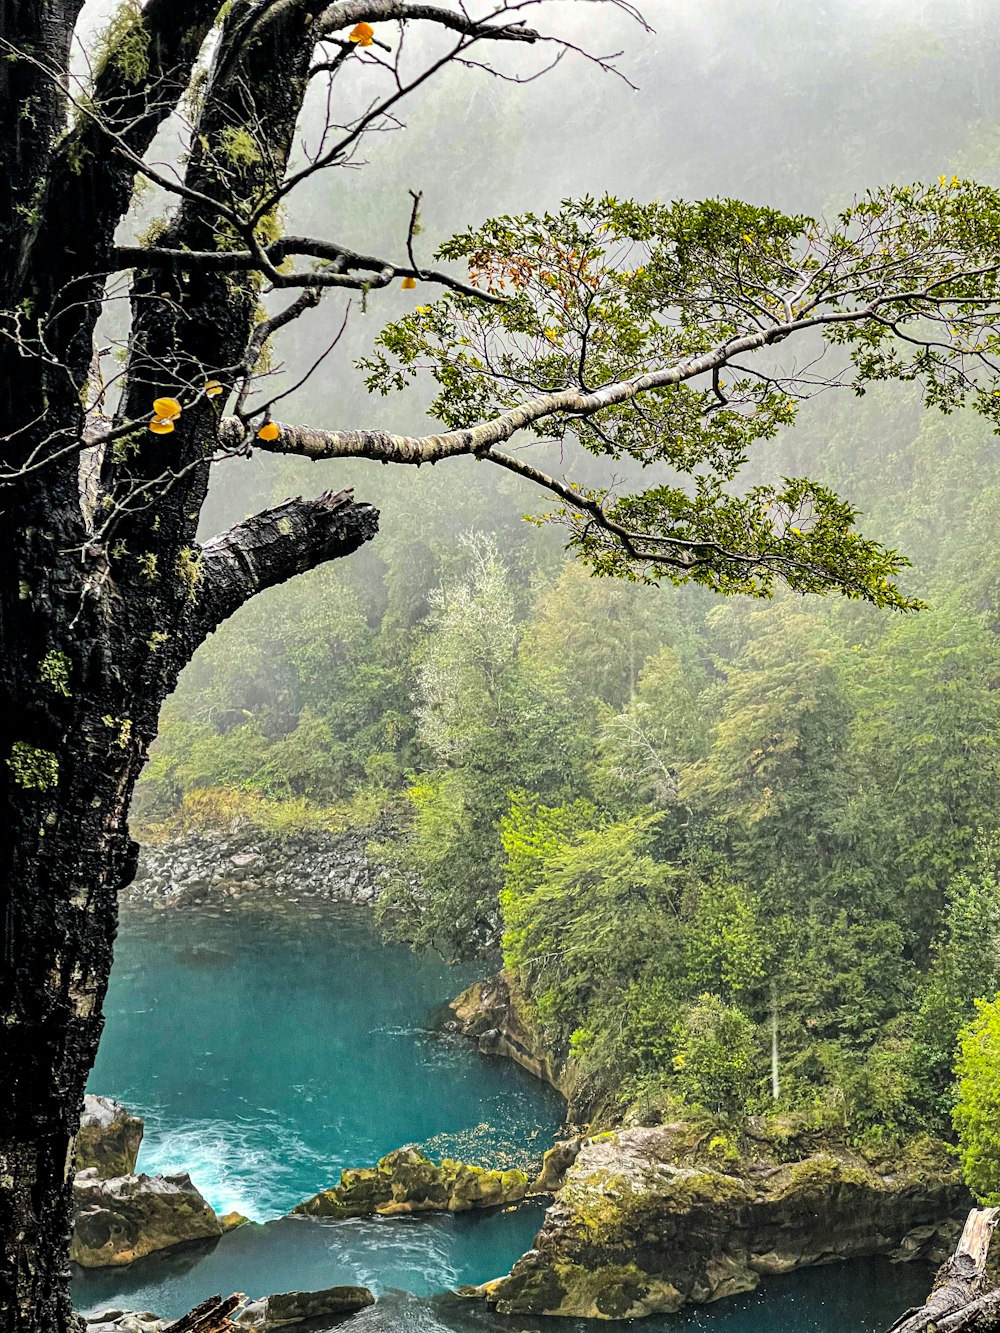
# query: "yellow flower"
[408,284]
[551,335]
[269,431]
[161,425]
[166,408]
[363,34]
[212,388]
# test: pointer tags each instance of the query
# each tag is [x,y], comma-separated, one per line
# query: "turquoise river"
[268,1051]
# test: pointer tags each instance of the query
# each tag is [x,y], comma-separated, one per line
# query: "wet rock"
[230,1221]
[638,1229]
[297,1307]
[492,1013]
[120,1220]
[555,1164]
[405,1181]
[108,1139]
[124,1321]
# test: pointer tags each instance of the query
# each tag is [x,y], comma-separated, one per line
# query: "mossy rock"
[108,1139]
[631,1233]
[118,1221]
[555,1164]
[405,1181]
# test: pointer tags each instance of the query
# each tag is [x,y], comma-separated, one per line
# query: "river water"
[267,1051]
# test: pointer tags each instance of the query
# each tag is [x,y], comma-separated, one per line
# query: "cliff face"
[493,1015]
[636,1229]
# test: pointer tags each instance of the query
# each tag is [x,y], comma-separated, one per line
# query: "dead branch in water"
[211,1316]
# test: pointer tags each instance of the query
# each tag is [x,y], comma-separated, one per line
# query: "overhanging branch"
[384,447]
[349,12]
[345,265]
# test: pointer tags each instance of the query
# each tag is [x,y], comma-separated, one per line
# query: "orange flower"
[363,34]
[166,408]
[212,388]
[269,431]
[408,284]
[161,425]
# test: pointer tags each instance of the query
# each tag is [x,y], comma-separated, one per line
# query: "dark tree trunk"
[78,719]
[104,591]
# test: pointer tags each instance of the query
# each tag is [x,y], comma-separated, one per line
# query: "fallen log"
[211,1316]
[958,1303]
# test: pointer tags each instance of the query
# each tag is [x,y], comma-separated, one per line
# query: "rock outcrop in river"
[266,1315]
[108,1139]
[405,1181]
[639,1228]
[120,1220]
[120,1216]
[300,1307]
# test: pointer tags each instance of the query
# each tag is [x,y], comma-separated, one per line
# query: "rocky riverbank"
[240,864]
[493,1015]
[641,1226]
[648,1217]
[265,1314]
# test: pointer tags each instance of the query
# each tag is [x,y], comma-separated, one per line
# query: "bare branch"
[271,547]
[349,12]
[345,263]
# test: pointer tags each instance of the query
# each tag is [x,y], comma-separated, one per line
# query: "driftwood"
[211,1316]
[958,1302]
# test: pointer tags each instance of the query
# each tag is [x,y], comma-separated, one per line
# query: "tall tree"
[639,333]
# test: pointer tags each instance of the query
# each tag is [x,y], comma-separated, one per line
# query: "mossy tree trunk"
[104,599]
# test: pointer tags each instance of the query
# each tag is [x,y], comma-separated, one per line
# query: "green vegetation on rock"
[405,1181]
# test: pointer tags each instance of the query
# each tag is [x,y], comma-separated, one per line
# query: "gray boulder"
[128,1217]
[108,1138]
[298,1307]
[124,1321]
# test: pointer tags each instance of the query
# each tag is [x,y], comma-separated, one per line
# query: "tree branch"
[271,547]
[381,271]
[348,12]
[383,447]
[957,1303]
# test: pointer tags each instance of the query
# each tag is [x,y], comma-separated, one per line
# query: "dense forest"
[660,804]
[739,854]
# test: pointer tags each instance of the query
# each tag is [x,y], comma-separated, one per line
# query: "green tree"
[718,1059]
[586,912]
[965,965]
[489,725]
[977,1109]
[927,742]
